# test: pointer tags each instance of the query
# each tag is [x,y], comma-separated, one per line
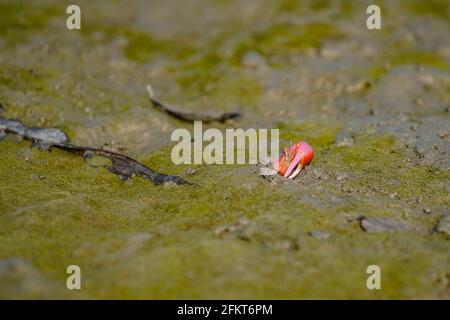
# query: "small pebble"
[344,141]
[443,134]
[443,225]
[394,195]
[169,184]
[319,234]
[253,60]
[341,176]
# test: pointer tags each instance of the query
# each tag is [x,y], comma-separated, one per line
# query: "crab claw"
[294,159]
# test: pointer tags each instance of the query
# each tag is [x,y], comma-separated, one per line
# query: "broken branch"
[189,117]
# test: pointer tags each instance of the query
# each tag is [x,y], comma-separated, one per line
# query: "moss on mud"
[319,134]
[435,8]
[406,56]
[159,242]
[20,19]
[232,233]
[283,39]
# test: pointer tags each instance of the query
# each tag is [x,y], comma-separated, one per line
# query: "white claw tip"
[295,173]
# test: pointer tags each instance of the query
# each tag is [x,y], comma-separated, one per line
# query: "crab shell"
[294,159]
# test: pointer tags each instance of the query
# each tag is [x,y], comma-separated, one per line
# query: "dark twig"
[189,117]
[121,165]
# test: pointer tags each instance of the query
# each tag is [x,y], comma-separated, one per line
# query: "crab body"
[294,159]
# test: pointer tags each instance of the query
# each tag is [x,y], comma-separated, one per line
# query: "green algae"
[374,73]
[407,56]
[318,134]
[141,47]
[434,8]
[342,9]
[199,69]
[20,19]
[221,89]
[33,81]
[376,163]
[347,9]
[159,242]
[161,267]
[209,74]
[285,38]
[24,79]
[196,75]
[431,59]
[136,240]
[295,6]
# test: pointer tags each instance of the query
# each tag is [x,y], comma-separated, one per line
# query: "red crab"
[294,159]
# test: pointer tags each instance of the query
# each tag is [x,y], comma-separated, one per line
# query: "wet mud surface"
[375,105]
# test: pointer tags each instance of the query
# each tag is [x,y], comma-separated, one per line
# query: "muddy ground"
[375,105]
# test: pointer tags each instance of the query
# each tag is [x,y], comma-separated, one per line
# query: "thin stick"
[188,117]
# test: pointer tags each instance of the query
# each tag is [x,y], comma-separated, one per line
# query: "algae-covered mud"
[374,105]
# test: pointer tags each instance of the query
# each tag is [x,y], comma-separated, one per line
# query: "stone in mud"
[444,225]
[319,234]
[49,135]
[253,60]
[341,176]
[379,225]
[44,137]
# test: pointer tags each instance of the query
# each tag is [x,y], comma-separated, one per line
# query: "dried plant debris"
[189,117]
[44,138]
[121,165]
